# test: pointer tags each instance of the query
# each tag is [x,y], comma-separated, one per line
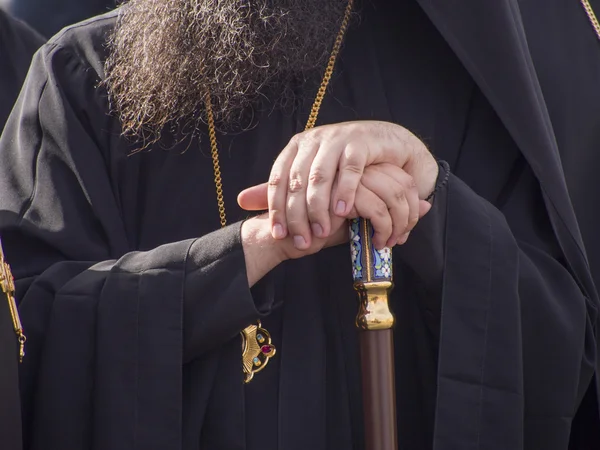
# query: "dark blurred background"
[48,17]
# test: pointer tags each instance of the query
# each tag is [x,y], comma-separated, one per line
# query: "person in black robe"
[568,78]
[133,296]
[18,43]
[48,17]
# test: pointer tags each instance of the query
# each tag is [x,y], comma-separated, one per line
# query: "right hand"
[387,196]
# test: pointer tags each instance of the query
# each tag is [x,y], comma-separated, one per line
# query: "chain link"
[314,112]
[592,16]
[212,134]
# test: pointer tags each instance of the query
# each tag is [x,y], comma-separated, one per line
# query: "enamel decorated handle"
[372,271]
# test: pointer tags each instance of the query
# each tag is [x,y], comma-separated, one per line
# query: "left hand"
[301,185]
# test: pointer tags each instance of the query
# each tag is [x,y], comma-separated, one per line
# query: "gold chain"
[314,112]
[212,134]
[257,348]
[592,16]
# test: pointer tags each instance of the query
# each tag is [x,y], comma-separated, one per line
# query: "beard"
[166,55]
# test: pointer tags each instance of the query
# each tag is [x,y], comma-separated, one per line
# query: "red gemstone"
[266,349]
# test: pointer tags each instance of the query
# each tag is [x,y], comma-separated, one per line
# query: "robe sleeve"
[512,326]
[105,323]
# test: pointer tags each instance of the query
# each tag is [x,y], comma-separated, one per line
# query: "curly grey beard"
[165,55]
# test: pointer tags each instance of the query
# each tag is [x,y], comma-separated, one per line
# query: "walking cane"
[372,272]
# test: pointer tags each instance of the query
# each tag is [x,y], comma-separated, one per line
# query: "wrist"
[261,251]
[442,180]
[426,171]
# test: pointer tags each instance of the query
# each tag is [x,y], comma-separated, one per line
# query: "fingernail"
[299,242]
[317,229]
[403,239]
[340,208]
[278,231]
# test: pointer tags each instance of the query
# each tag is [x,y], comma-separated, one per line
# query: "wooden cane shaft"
[379,390]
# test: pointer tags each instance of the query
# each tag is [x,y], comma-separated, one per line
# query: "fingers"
[395,198]
[303,200]
[296,212]
[299,202]
[351,168]
[370,206]
[254,198]
[400,193]
[277,190]
[394,187]
[323,173]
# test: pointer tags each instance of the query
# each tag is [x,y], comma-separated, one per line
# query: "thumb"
[254,198]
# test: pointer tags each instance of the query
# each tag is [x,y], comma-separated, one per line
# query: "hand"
[262,253]
[381,185]
[302,196]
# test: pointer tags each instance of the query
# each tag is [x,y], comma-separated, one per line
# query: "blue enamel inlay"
[356,249]
[381,259]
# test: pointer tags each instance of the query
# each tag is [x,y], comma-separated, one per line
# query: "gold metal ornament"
[374,313]
[373,278]
[257,350]
[7,285]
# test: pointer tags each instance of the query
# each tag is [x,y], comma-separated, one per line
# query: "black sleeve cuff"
[423,252]
[218,303]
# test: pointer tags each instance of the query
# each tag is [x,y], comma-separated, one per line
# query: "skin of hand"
[385,194]
[324,170]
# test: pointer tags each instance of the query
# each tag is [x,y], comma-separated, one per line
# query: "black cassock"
[17,45]
[133,298]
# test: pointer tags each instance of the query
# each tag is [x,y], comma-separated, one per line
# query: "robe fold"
[133,298]
[18,43]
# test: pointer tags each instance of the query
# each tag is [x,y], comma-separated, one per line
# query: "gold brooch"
[257,350]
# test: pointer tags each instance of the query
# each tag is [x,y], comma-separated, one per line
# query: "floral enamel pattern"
[381,260]
[356,249]
[383,263]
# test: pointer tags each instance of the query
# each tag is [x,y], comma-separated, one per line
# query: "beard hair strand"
[164,55]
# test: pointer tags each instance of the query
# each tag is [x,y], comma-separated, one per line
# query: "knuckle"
[274,180]
[297,138]
[412,221]
[380,209]
[317,177]
[353,168]
[310,136]
[296,184]
[399,194]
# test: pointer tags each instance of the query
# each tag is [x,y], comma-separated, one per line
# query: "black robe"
[133,302]
[568,76]
[17,45]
